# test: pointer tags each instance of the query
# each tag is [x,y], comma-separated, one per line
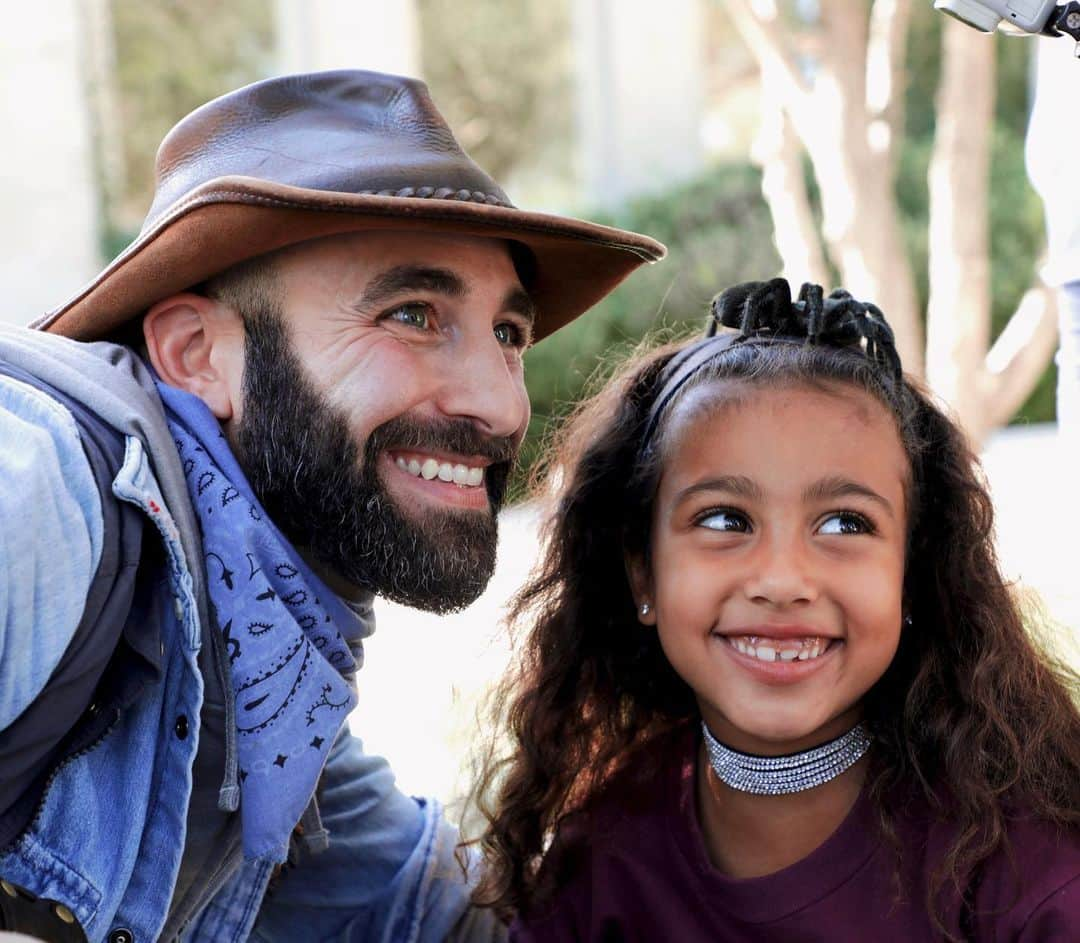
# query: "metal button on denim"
[121,935]
[181,727]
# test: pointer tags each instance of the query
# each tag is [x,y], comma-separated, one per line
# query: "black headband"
[763,313]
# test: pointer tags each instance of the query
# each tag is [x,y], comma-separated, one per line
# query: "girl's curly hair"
[971,714]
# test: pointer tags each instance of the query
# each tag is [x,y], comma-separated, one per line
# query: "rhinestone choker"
[781,775]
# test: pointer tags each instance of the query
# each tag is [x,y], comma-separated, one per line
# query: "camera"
[1026,16]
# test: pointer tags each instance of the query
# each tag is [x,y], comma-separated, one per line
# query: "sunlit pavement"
[424,675]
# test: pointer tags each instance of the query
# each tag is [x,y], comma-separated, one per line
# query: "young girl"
[775,687]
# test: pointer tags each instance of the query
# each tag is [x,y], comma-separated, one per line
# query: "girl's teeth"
[809,650]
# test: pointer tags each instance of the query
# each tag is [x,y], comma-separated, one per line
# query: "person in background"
[1053,156]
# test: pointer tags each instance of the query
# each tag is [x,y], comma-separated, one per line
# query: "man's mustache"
[448,435]
[440,435]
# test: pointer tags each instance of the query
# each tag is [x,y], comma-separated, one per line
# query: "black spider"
[762,310]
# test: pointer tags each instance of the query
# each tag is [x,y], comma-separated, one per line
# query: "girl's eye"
[415,315]
[730,521]
[846,522]
[511,335]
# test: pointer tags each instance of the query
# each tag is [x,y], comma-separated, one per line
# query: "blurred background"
[871,144]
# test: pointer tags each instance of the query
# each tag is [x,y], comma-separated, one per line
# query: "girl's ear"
[641,586]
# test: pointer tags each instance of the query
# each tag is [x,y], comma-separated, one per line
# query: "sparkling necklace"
[781,775]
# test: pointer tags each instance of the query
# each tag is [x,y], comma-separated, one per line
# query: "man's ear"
[637,572]
[197,344]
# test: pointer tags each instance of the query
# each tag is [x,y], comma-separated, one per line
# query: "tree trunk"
[958,315]
[783,184]
[860,220]
[860,224]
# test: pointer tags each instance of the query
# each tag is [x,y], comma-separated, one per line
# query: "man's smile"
[457,481]
[464,472]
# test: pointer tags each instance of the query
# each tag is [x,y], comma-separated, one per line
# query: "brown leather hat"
[305,156]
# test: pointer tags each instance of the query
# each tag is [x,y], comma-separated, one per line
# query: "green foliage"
[718,231]
[170,58]
[501,74]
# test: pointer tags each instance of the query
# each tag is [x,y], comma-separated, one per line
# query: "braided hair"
[969,714]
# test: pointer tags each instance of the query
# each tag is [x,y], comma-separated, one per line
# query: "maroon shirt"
[647,878]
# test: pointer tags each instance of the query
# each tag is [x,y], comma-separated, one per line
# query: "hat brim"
[231,219]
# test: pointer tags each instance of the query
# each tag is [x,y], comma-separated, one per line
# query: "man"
[331,303]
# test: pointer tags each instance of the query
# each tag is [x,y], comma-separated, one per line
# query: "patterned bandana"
[293,674]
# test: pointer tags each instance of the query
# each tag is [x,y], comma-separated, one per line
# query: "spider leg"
[727,307]
[813,300]
[843,318]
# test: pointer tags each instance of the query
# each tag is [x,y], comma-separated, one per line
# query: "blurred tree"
[172,56]
[834,90]
[717,230]
[502,76]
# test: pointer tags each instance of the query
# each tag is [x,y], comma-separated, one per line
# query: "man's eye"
[731,521]
[846,522]
[510,335]
[412,315]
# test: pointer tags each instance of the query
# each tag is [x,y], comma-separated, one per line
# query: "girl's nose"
[780,575]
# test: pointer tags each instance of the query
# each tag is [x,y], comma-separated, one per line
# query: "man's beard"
[305,468]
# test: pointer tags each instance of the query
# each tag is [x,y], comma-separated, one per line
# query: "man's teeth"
[429,469]
[762,649]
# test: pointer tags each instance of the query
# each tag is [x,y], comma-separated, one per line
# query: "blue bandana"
[293,674]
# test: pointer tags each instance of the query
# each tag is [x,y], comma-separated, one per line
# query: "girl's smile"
[780,654]
[777,558]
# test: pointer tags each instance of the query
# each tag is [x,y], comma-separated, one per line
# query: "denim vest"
[109,833]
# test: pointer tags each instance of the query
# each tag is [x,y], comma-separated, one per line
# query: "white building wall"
[379,35]
[640,71]
[48,202]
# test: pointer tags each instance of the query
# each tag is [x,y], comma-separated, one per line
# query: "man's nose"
[483,385]
[781,573]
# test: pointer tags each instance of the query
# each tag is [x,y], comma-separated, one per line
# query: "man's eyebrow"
[837,486]
[519,301]
[738,485]
[404,278]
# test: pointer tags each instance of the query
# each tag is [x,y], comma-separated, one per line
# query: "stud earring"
[645,608]
[908,621]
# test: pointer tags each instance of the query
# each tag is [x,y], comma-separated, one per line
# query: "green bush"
[718,232]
